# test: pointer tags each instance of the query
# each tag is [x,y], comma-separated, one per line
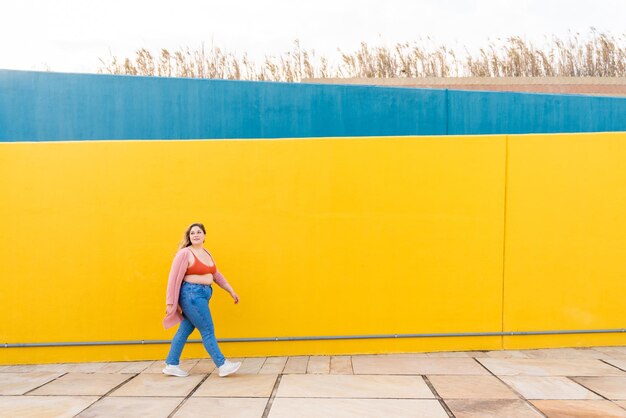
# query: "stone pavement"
[566,382]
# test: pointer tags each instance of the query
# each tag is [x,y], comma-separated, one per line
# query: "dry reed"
[594,55]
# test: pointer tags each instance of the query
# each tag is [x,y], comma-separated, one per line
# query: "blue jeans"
[194,301]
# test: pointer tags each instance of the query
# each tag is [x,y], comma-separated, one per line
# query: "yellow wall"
[318,236]
[565,256]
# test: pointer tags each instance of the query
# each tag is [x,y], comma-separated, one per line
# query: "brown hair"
[186,242]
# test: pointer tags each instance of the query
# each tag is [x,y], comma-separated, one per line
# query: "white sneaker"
[229,368]
[174,371]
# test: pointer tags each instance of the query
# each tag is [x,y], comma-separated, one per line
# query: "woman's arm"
[223,283]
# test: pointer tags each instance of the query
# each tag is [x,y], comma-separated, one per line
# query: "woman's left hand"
[235,297]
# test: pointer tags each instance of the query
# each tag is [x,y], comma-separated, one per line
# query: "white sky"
[70,35]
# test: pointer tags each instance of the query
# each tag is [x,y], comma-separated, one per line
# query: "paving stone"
[251,365]
[91,367]
[115,367]
[318,365]
[238,385]
[471,387]
[132,407]
[503,354]
[615,352]
[205,366]
[222,407]
[419,365]
[23,368]
[296,365]
[619,363]
[549,367]
[152,384]
[548,387]
[82,384]
[565,353]
[350,386]
[273,365]
[491,408]
[356,408]
[43,406]
[20,383]
[609,387]
[580,409]
[135,367]
[341,365]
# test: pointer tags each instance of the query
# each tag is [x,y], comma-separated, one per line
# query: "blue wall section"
[37,106]
[520,113]
[52,106]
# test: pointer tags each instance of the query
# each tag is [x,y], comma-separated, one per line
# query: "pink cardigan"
[175,280]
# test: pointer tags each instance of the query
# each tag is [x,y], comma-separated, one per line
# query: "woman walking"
[188,293]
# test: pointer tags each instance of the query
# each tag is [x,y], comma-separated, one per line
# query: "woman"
[188,292]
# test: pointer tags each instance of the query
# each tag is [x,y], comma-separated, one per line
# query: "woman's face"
[196,236]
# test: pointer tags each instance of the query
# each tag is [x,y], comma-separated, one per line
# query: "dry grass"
[594,55]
